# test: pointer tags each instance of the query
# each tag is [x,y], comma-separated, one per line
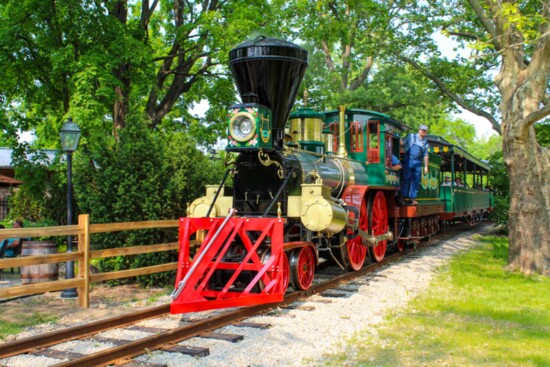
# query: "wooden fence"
[83,255]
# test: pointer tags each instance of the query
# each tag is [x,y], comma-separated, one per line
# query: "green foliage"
[499,182]
[80,58]
[474,313]
[485,146]
[543,133]
[43,194]
[456,131]
[146,175]
[525,19]
[403,95]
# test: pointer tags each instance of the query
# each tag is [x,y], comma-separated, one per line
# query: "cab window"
[356,135]
[373,142]
[391,148]
[336,138]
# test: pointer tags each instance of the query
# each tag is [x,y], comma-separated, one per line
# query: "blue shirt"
[10,252]
[394,160]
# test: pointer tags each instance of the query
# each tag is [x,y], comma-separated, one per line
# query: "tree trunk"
[529,219]
[523,87]
[528,164]
[119,10]
[121,104]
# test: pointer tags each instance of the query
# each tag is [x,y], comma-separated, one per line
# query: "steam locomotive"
[306,187]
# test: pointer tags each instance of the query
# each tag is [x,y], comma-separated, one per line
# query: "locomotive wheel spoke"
[302,266]
[378,224]
[354,252]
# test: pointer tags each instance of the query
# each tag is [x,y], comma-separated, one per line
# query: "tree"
[515,37]
[106,63]
[345,40]
[351,46]
[43,194]
[101,61]
[352,36]
[485,147]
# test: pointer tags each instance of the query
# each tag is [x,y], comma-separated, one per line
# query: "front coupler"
[228,262]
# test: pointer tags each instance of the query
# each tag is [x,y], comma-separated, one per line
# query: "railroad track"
[166,339]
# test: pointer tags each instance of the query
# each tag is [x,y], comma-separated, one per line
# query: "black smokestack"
[269,71]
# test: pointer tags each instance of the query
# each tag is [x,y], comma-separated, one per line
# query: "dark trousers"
[410,178]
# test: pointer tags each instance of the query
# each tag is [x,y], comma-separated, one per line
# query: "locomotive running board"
[210,280]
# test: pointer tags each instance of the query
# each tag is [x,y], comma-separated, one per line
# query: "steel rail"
[20,346]
[185,332]
[59,336]
[157,341]
[27,345]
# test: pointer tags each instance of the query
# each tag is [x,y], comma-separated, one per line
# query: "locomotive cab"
[371,138]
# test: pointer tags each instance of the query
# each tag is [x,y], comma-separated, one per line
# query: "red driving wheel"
[354,252]
[302,267]
[378,224]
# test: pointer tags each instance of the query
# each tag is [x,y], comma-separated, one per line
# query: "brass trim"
[266,161]
[341,133]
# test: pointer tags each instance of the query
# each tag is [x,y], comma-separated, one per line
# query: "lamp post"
[70,136]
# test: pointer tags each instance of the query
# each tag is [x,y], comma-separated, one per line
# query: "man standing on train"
[416,151]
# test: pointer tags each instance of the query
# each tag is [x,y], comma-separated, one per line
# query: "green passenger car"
[464,186]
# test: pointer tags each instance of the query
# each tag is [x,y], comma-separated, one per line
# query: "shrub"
[145,175]
[43,195]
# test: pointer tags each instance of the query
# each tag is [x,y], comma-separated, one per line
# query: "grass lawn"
[475,314]
[16,326]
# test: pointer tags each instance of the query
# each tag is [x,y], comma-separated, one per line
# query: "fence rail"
[83,255]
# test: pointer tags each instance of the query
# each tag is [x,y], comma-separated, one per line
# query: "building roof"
[8,181]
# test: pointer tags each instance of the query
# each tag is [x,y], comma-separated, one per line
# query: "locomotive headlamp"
[249,127]
[242,126]
[245,126]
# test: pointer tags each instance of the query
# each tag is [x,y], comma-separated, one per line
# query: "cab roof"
[382,116]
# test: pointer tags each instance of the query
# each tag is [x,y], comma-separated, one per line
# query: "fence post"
[84,265]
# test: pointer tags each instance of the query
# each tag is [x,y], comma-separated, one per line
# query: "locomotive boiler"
[304,187]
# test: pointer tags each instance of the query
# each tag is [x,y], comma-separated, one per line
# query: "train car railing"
[83,255]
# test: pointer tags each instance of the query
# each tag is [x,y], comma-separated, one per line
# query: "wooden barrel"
[43,272]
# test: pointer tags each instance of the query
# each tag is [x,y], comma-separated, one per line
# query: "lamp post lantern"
[70,136]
